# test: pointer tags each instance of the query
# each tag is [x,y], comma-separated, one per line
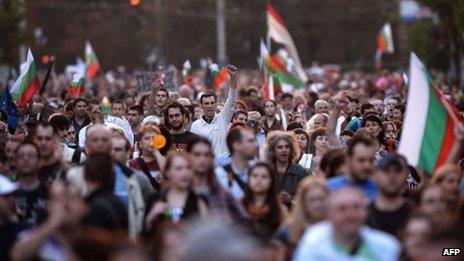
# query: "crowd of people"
[202,173]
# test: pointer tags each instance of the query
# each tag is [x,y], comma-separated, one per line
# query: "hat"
[391,159]
[6,186]
[151,118]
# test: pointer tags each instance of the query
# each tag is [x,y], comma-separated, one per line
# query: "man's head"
[47,140]
[60,123]
[287,101]
[321,106]
[202,154]
[161,98]
[320,121]
[270,108]
[174,116]
[11,146]
[98,169]
[80,107]
[398,112]
[240,116]
[118,109]
[347,211]
[98,139]
[129,100]
[120,149]
[27,159]
[209,104]
[379,106]
[253,95]
[391,175]
[391,103]
[135,115]
[281,147]
[242,141]
[361,152]
[367,108]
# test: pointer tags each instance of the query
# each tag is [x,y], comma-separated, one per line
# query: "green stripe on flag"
[25,81]
[434,133]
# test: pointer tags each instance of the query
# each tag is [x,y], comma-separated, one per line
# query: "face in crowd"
[362,161]
[175,119]
[47,141]
[270,109]
[202,157]
[209,105]
[134,117]
[27,159]
[80,109]
[98,139]
[161,98]
[259,180]
[118,109]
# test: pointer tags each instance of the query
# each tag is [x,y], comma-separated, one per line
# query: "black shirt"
[8,234]
[48,174]
[31,205]
[78,127]
[390,222]
[180,141]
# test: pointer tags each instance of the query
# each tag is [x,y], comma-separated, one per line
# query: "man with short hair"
[118,109]
[288,102]
[361,153]
[174,117]
[240,116]
[32,195]
[80,119]
[379,107]
[158,99]
[135,117]
[390,210]
[243,147]
[343,236]
[398,112]
[215,126]
[47,140]
[10,150]
[72,153]
[321,106]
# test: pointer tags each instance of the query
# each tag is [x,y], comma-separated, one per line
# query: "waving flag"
[384,44]
[277,31]
[76,86]
[27,83]
[430,119]
[91,61]
[277,68]
[7,104]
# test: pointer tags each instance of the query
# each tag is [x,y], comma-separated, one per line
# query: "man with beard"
[174,116]
[390,210]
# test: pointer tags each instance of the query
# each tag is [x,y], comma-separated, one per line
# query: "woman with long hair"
[303,143]
[319,146]
[308,209]
[178,202]
[373,125]
[448,177]
[260,199]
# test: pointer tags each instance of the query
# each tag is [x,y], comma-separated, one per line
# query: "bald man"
[344,236]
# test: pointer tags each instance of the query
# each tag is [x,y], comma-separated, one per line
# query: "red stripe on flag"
[448,142]
[221,77]
[93,69]
[381,45]
[273,12]
[276,63]
[30,90]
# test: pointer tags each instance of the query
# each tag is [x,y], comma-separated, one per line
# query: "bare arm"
[232,94]
[339,103]
[457,146]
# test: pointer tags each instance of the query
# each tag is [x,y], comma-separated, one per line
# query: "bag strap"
[231,176]
[144,167]
[76,157]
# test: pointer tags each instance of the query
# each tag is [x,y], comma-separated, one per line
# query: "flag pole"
[47,75]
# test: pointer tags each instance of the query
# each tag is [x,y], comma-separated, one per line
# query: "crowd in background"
[204,173]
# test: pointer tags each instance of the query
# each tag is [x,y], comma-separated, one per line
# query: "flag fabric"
[8,105]
[91,61]
[27,83]
[266,79]
[277,68]
[187,73]
[384,44]
[278,32]
[76,86]
[216,76]
[428,129]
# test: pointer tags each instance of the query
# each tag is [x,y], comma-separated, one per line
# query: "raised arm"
[457,146]
[232,95]
[339,103]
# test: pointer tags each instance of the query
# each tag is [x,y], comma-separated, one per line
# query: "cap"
[6,186]
[391,159]
[151,118]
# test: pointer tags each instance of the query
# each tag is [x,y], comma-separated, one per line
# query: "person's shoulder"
[298,169]
[336,182]
[380,240]
[315,235]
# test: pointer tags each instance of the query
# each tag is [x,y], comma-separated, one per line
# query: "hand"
[284,197]
[155,212]
[232,71]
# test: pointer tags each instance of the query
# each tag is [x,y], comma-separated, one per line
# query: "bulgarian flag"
[384,44]
[278,32]
[91,61]
[277,68]
[27,83]
[430,120]
[76,86]
[216,76]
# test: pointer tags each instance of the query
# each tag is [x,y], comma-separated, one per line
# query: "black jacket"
[290,180]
